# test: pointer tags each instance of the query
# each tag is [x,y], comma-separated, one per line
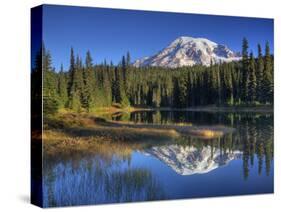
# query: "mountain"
[189,51]
[188,160]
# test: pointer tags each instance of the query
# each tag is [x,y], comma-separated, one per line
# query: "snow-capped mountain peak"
[189,51]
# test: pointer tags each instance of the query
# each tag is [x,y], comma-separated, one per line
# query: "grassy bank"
[67,132]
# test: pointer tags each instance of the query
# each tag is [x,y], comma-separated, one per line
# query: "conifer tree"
[124,73]
[107,85]
[259,75]
[128,59]
[219,85]
[46,60]
[71,71]
[75,83]
[268,76]
[245,69]
[50,95]
[116,93]
[179,93]
[62,88]
[88,80]
[252,85]
[228,69]
[36,80]
[89,60]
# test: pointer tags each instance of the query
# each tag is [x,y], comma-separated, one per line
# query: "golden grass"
[55,143]
[183,124]
[206,133]
[111,110]
[85,132]
[68,132]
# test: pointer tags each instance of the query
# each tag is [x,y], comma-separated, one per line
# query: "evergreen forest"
[86,86]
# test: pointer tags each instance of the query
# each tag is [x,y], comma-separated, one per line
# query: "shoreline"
[259,109]
[70,129]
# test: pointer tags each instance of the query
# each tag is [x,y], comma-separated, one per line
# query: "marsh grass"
[68,132]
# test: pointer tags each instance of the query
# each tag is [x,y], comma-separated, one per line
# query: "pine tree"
[116,93]
[259,75]
[179,93]
[124,73]
[89,60]
[156,95]
[78,79]
[245,70]
[62,88]
[215,85]
[74,102]
[75,83]
[107,85]
[228,84]
[252,85]
[36,81]
[46,60]
[128,59]
[88,80]
[71,72]
[268,76]
[212,84]
[50,95]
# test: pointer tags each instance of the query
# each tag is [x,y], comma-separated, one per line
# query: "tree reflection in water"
[92,181]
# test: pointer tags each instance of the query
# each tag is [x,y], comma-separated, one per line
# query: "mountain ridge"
[189,51]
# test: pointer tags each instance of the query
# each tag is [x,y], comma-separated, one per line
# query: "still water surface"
[186,167]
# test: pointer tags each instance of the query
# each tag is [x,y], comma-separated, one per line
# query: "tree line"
[85,86]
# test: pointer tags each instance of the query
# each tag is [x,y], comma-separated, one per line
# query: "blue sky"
[110,33]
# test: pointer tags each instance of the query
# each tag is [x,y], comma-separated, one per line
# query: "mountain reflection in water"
[188,160]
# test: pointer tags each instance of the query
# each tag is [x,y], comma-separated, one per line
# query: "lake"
[186,167]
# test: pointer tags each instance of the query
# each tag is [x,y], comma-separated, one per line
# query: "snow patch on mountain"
[189,51]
